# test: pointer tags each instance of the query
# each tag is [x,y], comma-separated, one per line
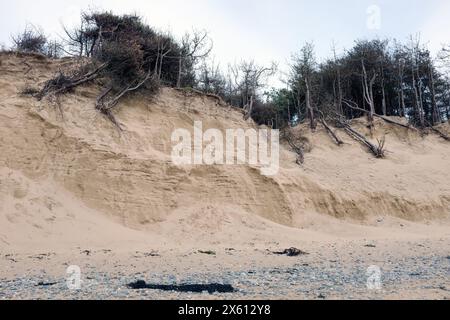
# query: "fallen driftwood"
[194,288]
[46,284]
[207,252]
[377,151]
[291,252]
[297,149]
[336,139]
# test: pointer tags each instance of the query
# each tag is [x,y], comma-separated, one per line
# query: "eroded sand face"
[74,182]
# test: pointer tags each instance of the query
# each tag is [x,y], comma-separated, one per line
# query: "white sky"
[264,30]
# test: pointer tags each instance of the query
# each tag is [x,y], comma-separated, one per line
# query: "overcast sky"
[264,30]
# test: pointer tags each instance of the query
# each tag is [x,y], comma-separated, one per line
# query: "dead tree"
[401,98]
[435,116]
[76,42]
[248,79]
[333,135]
[338,141]
[164,48]
[383,92]
[353,106]
[248,108]
[339,108]
[303,72]
[308,61]
[299,150]
[368,92]
[417,82]
[31,40]
[377,151]
[309,105]
[194,47]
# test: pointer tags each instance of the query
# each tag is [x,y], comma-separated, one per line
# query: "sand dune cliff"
[70,178]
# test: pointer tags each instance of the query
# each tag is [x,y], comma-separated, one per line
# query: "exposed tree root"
[440,133]
[29,67]
[103,105]
[62,83]
[219,99]
[107,112]
[106,106]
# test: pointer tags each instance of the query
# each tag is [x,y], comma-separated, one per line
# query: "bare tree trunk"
[448,103]
[402,95]
[297,101]
[336,139]
[363,94]
[289,113]
[421,111]
[417,97]
[402,92]
[160,67]
[248,109]
[368,93]
[435,118]
[420,90]
[340,95]
[383,103]
[180,64]
[371,101]
[309,106]
[335,103]
[155,71]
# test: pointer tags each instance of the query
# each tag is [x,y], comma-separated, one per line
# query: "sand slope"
[71,178]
